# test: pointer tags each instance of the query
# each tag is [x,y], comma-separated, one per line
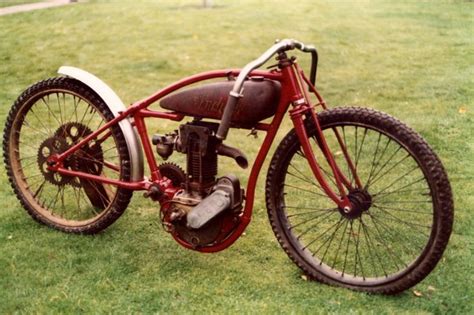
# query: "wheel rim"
[50,122]
[375,245]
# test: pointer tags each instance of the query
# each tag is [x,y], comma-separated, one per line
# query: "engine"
[206,210]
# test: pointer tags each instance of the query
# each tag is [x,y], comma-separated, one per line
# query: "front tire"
[388,247]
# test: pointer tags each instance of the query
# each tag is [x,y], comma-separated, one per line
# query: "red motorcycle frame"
[292,80]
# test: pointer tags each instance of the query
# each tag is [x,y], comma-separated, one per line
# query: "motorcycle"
[355,197]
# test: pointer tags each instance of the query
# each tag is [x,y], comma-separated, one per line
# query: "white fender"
[115,104]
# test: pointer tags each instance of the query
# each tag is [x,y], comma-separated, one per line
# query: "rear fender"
[115,104]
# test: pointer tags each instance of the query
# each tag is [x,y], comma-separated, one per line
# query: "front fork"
[343,185]
[302,108]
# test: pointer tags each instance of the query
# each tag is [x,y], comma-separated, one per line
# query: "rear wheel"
[48,118]
[403,211]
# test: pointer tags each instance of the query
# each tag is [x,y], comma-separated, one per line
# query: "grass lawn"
[412,60]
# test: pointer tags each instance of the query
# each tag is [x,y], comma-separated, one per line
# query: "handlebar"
[236,93]
[314,58]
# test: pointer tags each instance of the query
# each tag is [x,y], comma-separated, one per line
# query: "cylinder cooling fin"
[197,140]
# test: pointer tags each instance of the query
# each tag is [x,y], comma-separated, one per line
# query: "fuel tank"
[259,102]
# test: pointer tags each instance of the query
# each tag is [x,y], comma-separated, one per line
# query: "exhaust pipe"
[234,153]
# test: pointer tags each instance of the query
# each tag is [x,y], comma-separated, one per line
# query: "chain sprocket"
[89,158]
[51,146]
[72,132]
[173,172]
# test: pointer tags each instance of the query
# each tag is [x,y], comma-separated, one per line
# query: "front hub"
[360,202]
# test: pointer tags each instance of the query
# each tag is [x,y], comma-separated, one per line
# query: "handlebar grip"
[314,58]
[314,66]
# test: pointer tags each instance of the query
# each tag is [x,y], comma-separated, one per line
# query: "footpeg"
[154,192]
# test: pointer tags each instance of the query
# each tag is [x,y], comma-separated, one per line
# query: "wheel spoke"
[59,107]
[349,171]
[85,113]
[371,247]
[103,163]
[313,225]
[28,157]
[48,131]
[75,105]
[400,190]
[319,215]
[361,147]
[92,112]
[400,209]
[103,197]
[411,224]
[307,212]
[40,188]
[50,111]
[404,239]
[358,258]
[29,164]
[347,247]
[384,165]
[27,145]
[330,176]
[397,180]
[77,197]
[372,166]
[393,257]
[27,124]
[322,234]
[379,160]
[376,179]
[340,243]
[306,190]
[339,224]
[305,180]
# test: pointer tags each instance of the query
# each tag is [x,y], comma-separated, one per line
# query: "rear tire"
[387,248]
[50,117]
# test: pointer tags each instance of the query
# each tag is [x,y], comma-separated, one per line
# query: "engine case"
[206,210]
[201,222]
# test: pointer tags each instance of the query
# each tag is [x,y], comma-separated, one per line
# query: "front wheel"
[404,203]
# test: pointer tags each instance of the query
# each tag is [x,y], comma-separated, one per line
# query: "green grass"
[412,60]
